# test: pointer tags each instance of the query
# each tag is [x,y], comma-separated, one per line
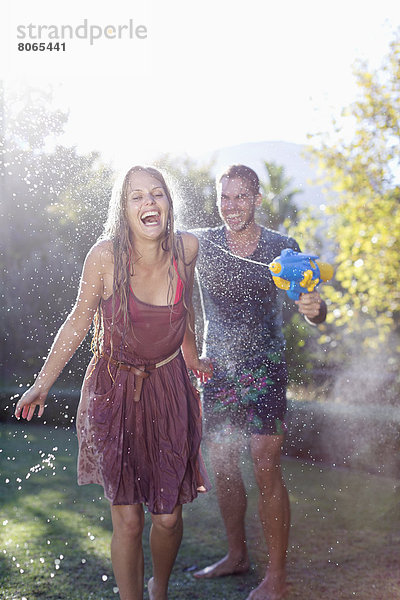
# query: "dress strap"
[179,285]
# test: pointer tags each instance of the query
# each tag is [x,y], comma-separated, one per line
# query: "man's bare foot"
[225,566]
[152,591]
[273,587]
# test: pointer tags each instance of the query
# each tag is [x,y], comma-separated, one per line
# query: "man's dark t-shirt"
[243,314]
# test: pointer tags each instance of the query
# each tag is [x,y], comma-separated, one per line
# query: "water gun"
[298,273]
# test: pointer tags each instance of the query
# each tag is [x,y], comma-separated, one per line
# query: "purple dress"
[140,437]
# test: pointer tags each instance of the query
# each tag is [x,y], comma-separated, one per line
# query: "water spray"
[295,272]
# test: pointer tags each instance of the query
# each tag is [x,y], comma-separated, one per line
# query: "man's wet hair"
[244,173]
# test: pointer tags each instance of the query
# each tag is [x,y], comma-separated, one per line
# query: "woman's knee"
[170,522]
[128,520]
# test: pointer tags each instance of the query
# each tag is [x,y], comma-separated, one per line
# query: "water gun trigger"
[307,279]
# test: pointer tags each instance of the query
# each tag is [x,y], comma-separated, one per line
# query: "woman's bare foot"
[273,587]
[153,592]
[150,587]
[225,566]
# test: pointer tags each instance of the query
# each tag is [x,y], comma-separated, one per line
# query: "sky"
[204,75]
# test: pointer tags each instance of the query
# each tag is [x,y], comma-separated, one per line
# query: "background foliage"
[54,202]
[363,214]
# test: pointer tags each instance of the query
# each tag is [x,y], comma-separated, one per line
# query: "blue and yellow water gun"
[298,273]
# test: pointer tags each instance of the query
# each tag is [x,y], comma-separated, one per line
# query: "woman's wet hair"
[117,231]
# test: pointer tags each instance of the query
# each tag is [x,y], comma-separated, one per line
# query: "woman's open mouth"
[150,218]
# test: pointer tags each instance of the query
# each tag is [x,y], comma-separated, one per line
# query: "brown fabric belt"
[140,372]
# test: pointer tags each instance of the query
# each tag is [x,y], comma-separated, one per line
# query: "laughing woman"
[139,418]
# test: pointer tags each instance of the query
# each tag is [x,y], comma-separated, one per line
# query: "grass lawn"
[55,536]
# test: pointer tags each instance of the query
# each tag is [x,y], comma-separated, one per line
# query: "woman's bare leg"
[165,539]
[127,550]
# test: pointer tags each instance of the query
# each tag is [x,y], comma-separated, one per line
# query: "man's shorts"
[252,401]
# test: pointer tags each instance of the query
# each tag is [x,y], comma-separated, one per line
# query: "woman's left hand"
[202,369]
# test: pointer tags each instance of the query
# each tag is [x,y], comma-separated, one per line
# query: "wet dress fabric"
[142,446]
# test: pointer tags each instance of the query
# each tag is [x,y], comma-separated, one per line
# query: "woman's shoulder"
[101,253]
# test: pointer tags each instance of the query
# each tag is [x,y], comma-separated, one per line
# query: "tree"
[195,187]
[365,216]
[277,203]
[53,203]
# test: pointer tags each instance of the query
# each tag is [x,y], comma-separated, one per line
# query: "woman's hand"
[202,368]
[29,401]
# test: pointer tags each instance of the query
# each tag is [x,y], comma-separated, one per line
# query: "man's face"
[236,203]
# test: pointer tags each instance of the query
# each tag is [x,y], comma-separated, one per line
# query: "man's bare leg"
[274,514]
[232,503]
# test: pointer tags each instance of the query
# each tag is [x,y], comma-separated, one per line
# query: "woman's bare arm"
[71,333]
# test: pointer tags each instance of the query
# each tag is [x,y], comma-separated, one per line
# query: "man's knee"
[266,454]
[268,474]
[224,455]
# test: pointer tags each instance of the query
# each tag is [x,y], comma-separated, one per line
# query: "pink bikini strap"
[179,285]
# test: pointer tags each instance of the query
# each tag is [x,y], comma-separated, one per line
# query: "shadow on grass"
[55,536]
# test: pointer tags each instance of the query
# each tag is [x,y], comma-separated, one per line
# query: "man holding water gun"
[245,402]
